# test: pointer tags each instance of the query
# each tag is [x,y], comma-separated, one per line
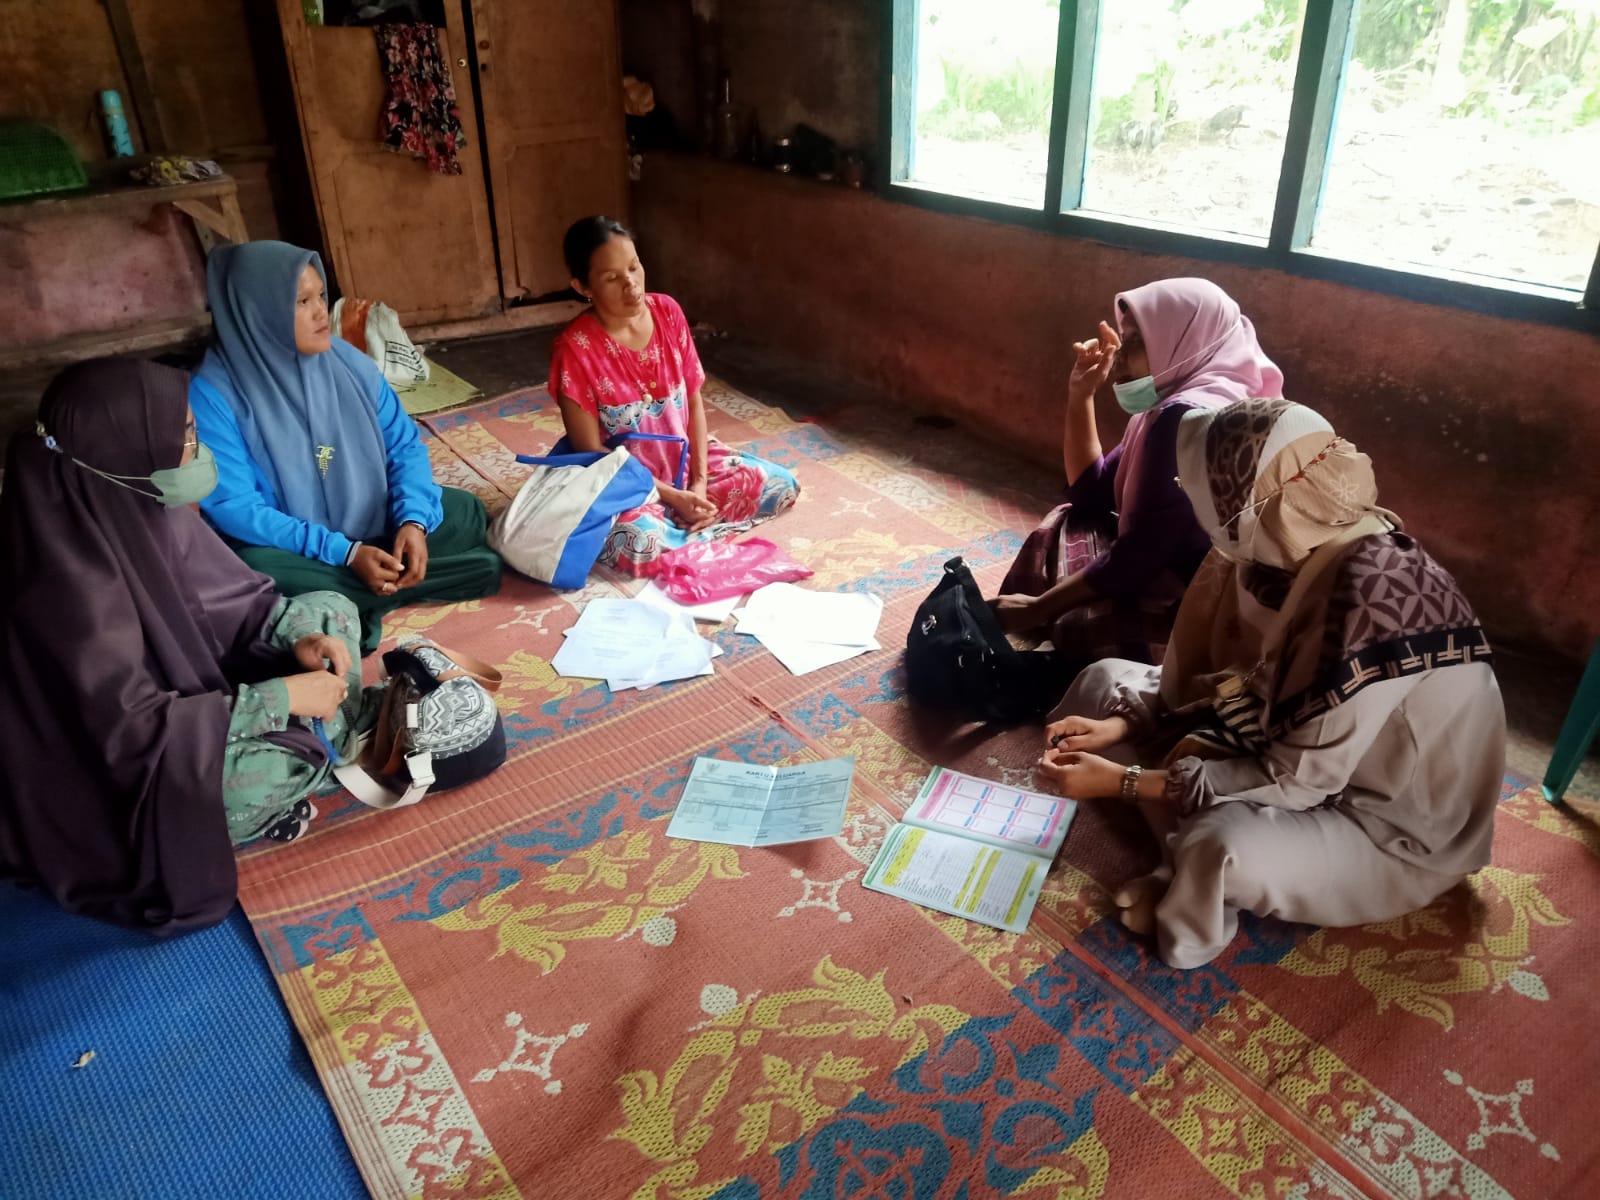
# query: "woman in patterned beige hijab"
[1329,729]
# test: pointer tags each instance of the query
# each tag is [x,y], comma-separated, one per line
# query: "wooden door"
[395,231]
[550,77]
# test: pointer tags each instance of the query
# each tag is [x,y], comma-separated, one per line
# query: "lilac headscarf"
[1203,354]
[122,623]
[1201,347]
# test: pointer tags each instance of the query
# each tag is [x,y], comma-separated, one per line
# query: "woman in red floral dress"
[626,371]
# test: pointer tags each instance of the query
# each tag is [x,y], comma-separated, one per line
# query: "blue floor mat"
[199,1086]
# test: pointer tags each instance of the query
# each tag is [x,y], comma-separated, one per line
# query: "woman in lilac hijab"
[1103,573]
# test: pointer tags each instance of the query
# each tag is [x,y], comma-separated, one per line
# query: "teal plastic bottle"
[116,123]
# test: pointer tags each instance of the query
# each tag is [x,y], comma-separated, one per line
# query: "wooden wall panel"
[67,275]
[551,74]
[58,57]
[202,72]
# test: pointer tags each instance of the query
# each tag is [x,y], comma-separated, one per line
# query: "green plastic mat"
[35,158]
[444,389]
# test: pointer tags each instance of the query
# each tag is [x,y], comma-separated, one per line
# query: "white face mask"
[1137,395]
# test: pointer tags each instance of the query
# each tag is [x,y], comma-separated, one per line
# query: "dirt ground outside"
[1406,183]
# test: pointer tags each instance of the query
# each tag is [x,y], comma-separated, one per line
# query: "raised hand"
[1095,360]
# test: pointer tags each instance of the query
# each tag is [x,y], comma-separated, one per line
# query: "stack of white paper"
[632,645]
[808,630]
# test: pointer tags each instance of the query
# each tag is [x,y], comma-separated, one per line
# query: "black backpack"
[957,657]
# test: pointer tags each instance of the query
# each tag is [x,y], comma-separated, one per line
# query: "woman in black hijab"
[159,702]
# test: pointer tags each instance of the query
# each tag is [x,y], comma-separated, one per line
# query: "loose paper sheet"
[744,804]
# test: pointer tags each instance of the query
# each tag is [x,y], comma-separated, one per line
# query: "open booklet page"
[958,876]
[995,813]
[973,848]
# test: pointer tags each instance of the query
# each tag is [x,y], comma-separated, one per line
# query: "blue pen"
[322,733]
[322,736]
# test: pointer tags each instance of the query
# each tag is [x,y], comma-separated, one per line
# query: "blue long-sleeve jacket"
[245,507]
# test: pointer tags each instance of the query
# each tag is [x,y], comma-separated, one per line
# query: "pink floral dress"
[646,392]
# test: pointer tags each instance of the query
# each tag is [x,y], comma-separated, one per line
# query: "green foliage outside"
[993,66]
[1533,65]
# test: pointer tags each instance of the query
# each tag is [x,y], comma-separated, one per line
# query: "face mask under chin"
[1137,395]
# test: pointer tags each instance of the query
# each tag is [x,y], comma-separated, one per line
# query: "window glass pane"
[1191,106]
[985,84]
[1468,138]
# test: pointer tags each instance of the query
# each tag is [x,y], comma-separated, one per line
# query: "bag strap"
[681,475]
[368,789]
[380,759]
[576,459]
[489,678]
[387,750]
[562,454]
[383,757]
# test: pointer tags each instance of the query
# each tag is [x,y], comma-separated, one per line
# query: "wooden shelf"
[192,199]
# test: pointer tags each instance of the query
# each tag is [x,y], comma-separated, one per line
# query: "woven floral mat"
[525,988]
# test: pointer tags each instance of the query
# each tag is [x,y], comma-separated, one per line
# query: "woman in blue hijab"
[322,481]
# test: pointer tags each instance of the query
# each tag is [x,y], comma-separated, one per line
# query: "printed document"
[744,804]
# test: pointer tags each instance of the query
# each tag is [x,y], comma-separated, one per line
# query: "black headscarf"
[121,618]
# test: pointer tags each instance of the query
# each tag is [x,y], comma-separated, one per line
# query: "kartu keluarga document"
[746,804]
[973,848]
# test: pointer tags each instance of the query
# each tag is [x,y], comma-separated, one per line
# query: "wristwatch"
[1130,782]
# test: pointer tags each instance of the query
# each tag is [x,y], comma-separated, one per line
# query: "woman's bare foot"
[1137,900]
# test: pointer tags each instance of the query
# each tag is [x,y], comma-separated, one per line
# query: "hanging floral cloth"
[421,117]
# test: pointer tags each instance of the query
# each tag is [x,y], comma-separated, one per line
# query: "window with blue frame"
[1451,143]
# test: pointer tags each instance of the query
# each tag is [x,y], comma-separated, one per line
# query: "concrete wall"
[1484,432]
[65,275]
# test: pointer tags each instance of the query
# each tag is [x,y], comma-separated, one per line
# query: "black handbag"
[957,657]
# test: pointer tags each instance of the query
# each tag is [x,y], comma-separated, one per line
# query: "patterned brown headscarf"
[1311,592]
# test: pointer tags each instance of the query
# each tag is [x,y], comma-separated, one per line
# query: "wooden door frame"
[499,201]
[330,219]
[499,196]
